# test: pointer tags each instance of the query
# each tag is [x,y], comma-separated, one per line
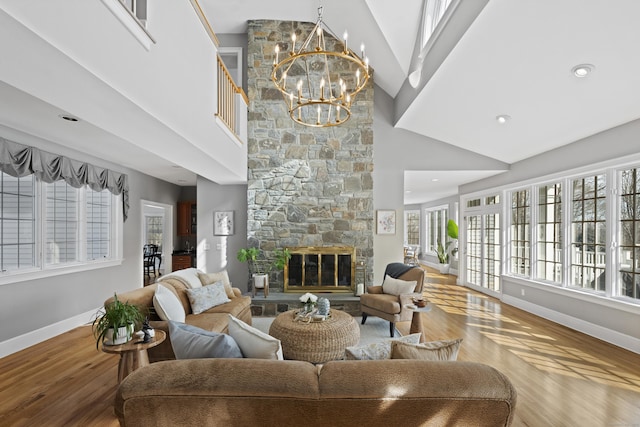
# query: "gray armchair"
[392,307]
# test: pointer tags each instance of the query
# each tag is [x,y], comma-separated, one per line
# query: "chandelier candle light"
[319,85]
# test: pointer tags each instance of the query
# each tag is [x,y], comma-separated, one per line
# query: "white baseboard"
[21,342]
[613,337]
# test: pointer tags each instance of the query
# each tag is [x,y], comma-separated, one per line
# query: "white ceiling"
[515,59]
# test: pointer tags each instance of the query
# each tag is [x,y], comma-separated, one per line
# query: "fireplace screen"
[324,269]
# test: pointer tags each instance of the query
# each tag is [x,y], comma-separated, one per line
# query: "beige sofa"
[257,392]
[215,319]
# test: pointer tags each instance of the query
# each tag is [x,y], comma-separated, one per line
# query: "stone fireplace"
[307,187]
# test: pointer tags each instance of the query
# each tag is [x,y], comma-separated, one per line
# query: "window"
[432,14]
[61,223]
[491,257]
[154,230]
[436,227]
[520,238]
[629,248]
[588,232]
[71,227]
[98,207]
[412,227]
[138,8]
[17,222]
[473,203]
[549,242]
[474,249]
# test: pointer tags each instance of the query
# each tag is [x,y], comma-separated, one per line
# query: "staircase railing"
[230,99]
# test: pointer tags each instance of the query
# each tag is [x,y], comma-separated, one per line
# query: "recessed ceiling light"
[582,70]
[69,118]
[435,179]
[503,118]
[407,192]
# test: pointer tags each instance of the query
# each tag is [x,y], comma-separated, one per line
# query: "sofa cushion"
[378,350]
[397,286]
[217,322]
[188,275]
[191,342]
[167,304]
[205,297]
[209,278]
[233,307]
[434,350]
[254,343]
[383,302]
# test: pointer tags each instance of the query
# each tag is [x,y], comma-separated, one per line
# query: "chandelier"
[319,85]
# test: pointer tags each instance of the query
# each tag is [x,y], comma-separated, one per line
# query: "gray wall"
[222,249]
[397,150]
[587,313]
[30,305]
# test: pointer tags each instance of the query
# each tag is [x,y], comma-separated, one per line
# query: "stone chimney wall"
[306,186]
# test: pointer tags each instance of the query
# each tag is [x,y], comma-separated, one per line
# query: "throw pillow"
[378,350]
[209,278]
[434,350]
[191,342]
[167,305]
[204,298]
[398,287]
[189,276]
[254,343]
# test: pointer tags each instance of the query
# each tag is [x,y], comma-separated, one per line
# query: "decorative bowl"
[419,302]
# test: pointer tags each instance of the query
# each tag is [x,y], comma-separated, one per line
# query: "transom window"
[432,15]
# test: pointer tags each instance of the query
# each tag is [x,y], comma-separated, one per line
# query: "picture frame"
[223,223]
[386,221]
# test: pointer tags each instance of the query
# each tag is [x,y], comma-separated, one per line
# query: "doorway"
[157,229]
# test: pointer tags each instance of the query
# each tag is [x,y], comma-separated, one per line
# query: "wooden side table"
[133,354]
[416,320]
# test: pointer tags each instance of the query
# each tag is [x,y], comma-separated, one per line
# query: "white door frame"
[167,231]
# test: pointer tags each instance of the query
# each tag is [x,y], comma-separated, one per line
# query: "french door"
[483,250]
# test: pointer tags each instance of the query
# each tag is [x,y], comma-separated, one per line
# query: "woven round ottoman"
[315,342]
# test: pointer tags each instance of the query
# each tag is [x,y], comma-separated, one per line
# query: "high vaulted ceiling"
[494,57]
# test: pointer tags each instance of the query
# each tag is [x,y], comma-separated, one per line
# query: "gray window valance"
[21,160]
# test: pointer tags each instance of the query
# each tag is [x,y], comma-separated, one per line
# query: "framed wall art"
[223,223]
[386,221]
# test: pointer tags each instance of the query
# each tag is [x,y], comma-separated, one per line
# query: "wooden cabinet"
[187,218]
[180,262]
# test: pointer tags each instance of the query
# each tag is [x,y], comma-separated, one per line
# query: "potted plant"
[282,258]
[250,256]
[443,252]
[115,323]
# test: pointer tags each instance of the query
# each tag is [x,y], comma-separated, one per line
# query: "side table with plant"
[116,322]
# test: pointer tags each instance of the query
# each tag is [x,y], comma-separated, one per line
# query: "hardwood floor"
[563,378]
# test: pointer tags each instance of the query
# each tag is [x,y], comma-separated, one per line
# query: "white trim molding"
[15,344]
[613,337]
